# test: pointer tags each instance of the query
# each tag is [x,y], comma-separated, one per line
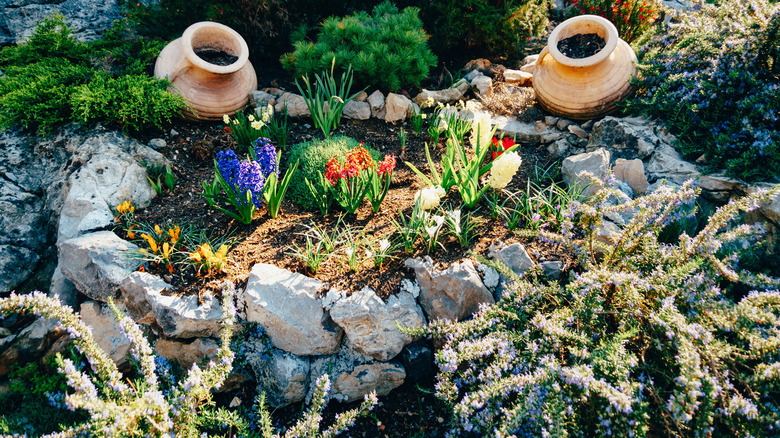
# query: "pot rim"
[189,50]
[564,30]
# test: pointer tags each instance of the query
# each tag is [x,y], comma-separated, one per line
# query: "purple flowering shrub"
[714,78]
[648,339]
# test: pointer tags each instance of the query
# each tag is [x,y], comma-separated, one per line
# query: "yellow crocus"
[205,250]
[166,250]
[174,233]
[158,230]
[196,257]
[152,243]
[130,234]
[222,252]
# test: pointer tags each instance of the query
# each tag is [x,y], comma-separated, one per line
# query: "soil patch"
[216,57]
[581,45]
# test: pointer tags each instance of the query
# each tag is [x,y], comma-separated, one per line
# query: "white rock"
[377,102]
[514,256]
[357,110]
[260,98]
[106,331]
[282,376]
[157,143]
[95,263]
[632,172]
[185,317]
[448,95]
[136,290]
[666,163]
[295,104]
[397,107]
[370,324]
[200,351]
[454,293]
[482,84]
[286,305]
[473,74]
[596,162]
[518,77]
[490,276]
[411,287]
[63,289]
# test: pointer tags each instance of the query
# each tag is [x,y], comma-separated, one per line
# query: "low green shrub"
[313,156]
[485,28]
[713,78]
[54,79]
[648,339]
[387,48]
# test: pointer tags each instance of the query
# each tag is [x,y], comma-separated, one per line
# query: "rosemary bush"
[151,405]
[650,339]
[714,79]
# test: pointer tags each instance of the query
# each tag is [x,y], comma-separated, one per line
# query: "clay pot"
[212,90]
[585,88]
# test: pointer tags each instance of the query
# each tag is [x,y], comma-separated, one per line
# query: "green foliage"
[485,28]
[327,92]
[387,48]
[713,78]
[648,339]
[54,79]
[313,156]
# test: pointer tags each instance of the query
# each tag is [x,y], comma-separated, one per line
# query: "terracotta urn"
[212,90]
[584,88]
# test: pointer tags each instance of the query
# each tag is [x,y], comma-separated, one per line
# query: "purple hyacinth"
[265,154]
[250,178]
[227,164]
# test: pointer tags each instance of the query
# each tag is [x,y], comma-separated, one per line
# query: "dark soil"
[216,57]
[581,45]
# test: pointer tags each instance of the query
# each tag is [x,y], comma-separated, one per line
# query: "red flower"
[387,165]
[333,170]
[505,143]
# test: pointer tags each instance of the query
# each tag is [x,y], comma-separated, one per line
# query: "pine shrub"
[648,339]
[54,79]
[387,48]
[713,78]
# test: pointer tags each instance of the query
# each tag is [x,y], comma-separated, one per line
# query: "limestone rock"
[106,331]
[596,162]
[559,148]
[666,163]
[454,293]
[518,77]
[157,143]
[295,104]
[353,375]
[514,256]
[30,343]
[377,102]
[136,289]
[16,263]
[552,268]
[629,137]
[370,324]
[508,126]
[448,95]
[472,75]
[260,98]
[97,263]
[361,97]
[63,289]
[607,233]
[482,84]
[632,172]
[397,107]
[579,132]
[357,110]
[87,19]
[284,377]
[286,305]
[199,351]
[185,317]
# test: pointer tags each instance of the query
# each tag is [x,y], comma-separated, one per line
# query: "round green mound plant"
[387,48]
[313,156]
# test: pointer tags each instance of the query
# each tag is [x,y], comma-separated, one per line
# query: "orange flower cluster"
[358,159]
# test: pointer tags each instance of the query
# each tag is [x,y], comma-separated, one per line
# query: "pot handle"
[544,52]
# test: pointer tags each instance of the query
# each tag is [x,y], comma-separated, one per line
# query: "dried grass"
[508,99]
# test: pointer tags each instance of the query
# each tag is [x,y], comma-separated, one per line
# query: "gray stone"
[720,188]
[370,324]
[629,137]
[361,97]
[353,375]
[284,377]
[200,351]
[666,163]
[551,120]
[397,107]
[448,95]
[518,77]
[482,84]
[579,132]
[552,268]
[260,98]
[559,148]
[607,233]
[157,143]
[357,110]
[508,126]
[97,263]
[454,293]
[632,172]
[513,256]
[87,19]
[185,317]
[596,162]
[286,305]
[529,63]
[473,74]
[295,104]
[377,102]
[17,263]
[63,289]
[106,331]
[136,289]
[29,343]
